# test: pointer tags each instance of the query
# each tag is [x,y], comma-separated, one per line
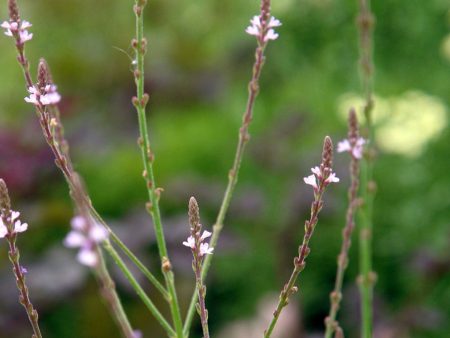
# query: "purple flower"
[190,242]
[18,225]
[50,96]
[85,235]
[258,29]
[19,28]
[356,149]
[204,248]
[317,176]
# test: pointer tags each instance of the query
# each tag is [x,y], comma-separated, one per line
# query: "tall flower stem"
[342,261]
[62,158]
[140,101]
[367,278]
[322,177]
[14,257]
[244,137]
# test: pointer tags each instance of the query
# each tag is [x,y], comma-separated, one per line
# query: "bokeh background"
[198,67]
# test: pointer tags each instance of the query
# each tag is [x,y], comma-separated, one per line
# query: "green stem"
[140,292]
[140,102]
[130,254]
[367,276]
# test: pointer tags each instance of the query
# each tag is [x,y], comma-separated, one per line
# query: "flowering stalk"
[139,44]
[353,145]
[48,115]
[199,251]
[367,277]
[321,178]
[262,27]
[10,226]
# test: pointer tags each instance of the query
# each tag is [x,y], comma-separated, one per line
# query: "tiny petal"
[8,32]
[190,242]
[5,25]
[51,98]
[205,235]
[32,90]
[205,249]
[252,30]
[14,215]
[87,257]
[25,36]
[270,35]
[20,227]
[25,24]
[3,230]
[32,99]
[78,223]
[332,178]
[24,270]
[74,239]
[274,22]
[97,233]
[316,171]
[344,145]
[256,21]
[137,334]
[311,180]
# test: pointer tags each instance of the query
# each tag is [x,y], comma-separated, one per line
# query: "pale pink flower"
[86,236]
[256,28]
[205,235]
[332,178]
[316,171]
[190,243]
[18,225]
[311,180]
[13,27]
[25,36]
[356,150]
[270,35]
[88,257]
[205,249]
[50,96]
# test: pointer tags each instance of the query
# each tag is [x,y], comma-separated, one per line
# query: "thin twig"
[7,220]
[354,147]
[320,179]
[244,137]
[367,278]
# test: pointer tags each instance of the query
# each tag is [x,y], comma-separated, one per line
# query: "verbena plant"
[92,236]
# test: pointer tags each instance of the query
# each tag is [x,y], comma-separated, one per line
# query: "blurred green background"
[198,67]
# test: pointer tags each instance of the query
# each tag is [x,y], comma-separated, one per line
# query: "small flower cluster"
[354,147]
[262,30]
[204,247]
[13,219]
[19,28]
[50,96]
[318,176]
[85,235]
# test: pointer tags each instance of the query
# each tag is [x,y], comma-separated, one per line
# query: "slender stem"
[367,276]
[321,179]
[140,102]
[336,295]
[24,298]
[244,137]
[110,295]
[141,293]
